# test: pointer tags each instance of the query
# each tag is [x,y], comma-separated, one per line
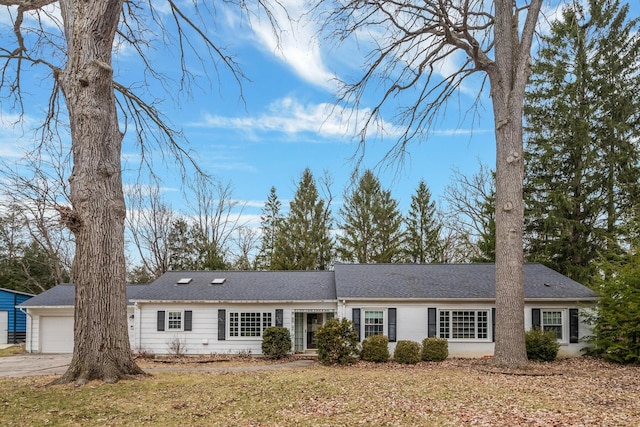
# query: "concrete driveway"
[25,365]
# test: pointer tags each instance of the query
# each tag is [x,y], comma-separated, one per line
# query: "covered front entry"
[306,326]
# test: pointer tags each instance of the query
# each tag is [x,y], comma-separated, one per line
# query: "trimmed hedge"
[542,346]
[435,349]
[375,348]
[407,352]
[276,342]
[337,342]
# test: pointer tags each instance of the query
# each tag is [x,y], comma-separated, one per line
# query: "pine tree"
[269,224]
[303,241]
[582,114]
[371,224]
[183,253]
[422,242]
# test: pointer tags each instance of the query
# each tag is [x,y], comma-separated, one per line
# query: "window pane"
[266,320]
[463,324]
[249,324]
[233,325]
[552,321]
[174,320]
[444,324]
[373,323]
[483,325]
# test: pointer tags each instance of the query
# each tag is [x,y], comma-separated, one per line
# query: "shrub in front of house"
[435,349]
[542,346]
[276,342]
[407,352]
[337,342]
[375,348]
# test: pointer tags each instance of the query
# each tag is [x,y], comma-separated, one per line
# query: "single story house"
[208,312]
[12,321]
[49,325]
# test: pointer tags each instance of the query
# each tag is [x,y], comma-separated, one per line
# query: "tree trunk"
[101,344]
[508,77]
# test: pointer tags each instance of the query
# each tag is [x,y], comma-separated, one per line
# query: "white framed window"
[464,324]
[373,322]
[174,320]
[249,324]
[552,320]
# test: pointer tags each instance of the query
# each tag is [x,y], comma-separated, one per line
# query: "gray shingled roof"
[63,295]
[366,281]
[243,286]
[448,281]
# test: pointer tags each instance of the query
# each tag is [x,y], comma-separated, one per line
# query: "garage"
[56,334]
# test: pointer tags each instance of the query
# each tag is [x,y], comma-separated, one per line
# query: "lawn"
[577,392]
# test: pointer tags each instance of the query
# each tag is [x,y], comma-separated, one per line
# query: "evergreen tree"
[372,224]
[303,241]
[269,225]
[183,253]
[616,323]
[582,117]
[422,242]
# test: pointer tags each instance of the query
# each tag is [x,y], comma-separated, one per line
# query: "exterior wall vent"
[184,281]
[218,281]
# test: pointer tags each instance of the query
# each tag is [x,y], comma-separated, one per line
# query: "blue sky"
[283,125]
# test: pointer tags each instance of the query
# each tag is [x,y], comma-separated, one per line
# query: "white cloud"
[289,116]
[293,42]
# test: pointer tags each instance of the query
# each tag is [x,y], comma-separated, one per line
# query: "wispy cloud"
[289,34]
[289,116]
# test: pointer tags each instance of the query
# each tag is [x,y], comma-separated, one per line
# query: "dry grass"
[577,392]
[12,350]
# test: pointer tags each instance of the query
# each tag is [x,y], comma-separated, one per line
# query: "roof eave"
[253,301]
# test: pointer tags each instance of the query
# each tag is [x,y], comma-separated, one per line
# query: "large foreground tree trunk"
[101,348]
[508,76]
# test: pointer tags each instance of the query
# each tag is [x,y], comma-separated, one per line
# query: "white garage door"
[56,334]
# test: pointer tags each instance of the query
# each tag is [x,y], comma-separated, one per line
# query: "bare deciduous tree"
[149,220]
[466,216]
[217,218]
[74,42]
[413,39]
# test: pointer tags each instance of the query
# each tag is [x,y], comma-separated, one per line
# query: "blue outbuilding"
[13,322]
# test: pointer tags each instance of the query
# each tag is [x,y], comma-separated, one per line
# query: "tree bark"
[508,76]
[101,344]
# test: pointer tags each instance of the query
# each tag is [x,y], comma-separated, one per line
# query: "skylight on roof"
[184,281]
[218,281]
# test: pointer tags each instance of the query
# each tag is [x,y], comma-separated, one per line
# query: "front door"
[314,321]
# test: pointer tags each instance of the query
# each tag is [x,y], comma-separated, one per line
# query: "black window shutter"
[573,325]
[432,329]
[279,317]
[222,324]
[355,317]
[392,312]
[188,315]
[493,324]
[160,321]
[535,318]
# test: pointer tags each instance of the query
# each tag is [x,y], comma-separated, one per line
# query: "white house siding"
[567,349]
[203,337]
[412,323]
[34,338]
